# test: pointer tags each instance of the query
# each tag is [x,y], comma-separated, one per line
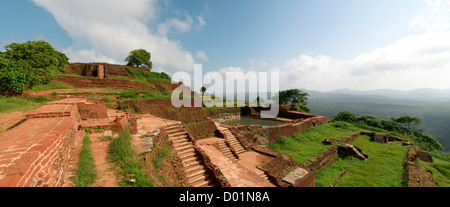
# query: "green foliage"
[296,98]
[139,58]
[148,75]
[160,158]
[407,123]
[203,90]
[13,74]
[346,116]
[404,124]
[33,62]
[86,173]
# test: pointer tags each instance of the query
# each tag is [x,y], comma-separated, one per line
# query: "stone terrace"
[32,153]
[36,151]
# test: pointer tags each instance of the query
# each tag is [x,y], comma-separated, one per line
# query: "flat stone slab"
[295,175]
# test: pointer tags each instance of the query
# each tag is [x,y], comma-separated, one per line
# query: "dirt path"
[106,176]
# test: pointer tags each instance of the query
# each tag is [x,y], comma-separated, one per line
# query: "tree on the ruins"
[139,57]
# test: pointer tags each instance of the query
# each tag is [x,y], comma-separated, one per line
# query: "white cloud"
[419,60]
[437,17]
[87,56]
[415,61]
[201,21]
[115,27]
[175,25]
[201,55]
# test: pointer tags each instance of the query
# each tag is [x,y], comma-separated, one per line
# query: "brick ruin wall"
[269,135]
[34,153]
[93,110]
[90,69]
[88,82]
[416,176]
[94,78]
[194,119]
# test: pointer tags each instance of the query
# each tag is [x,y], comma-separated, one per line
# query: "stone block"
[300,178]
[424,156]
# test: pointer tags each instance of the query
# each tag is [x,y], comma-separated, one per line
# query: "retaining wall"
[35,152]
[194,119]
[89,82]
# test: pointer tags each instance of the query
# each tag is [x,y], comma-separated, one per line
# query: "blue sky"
[320,45]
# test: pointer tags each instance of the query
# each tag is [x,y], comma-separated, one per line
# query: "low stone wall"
[35,152]
[417,177]
[88,82]
[90,69]
[194,119]
[224,117]
[269,135]
[92,110]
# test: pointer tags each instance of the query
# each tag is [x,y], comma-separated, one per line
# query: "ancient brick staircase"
[226,150]
[235,144]
[357,153]
[193,164]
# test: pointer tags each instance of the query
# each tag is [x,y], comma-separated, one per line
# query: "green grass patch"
[134,95]
[440,169]
[303,147]
[86,173]
[160,158]
[50,86]
[128,162]
[383,168]
[148,75]
[12,104]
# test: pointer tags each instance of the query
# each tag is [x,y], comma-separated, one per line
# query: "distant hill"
[424,94]
[432,105]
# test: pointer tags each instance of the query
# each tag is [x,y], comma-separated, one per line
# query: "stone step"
[181,144]
[190,159]
[184,147]
[186,155]
[197,178]
[182,137]
[240,151]
[174,124]
[202,184]
[191,163]
[196,173]
[175,130]
[180,141]
[193,168]
[185,151]
[177,134]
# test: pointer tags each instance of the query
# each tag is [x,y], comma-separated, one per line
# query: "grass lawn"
[384,168]
[303,147]
[86,173]
[440,169]
[50,86]
[12,104]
